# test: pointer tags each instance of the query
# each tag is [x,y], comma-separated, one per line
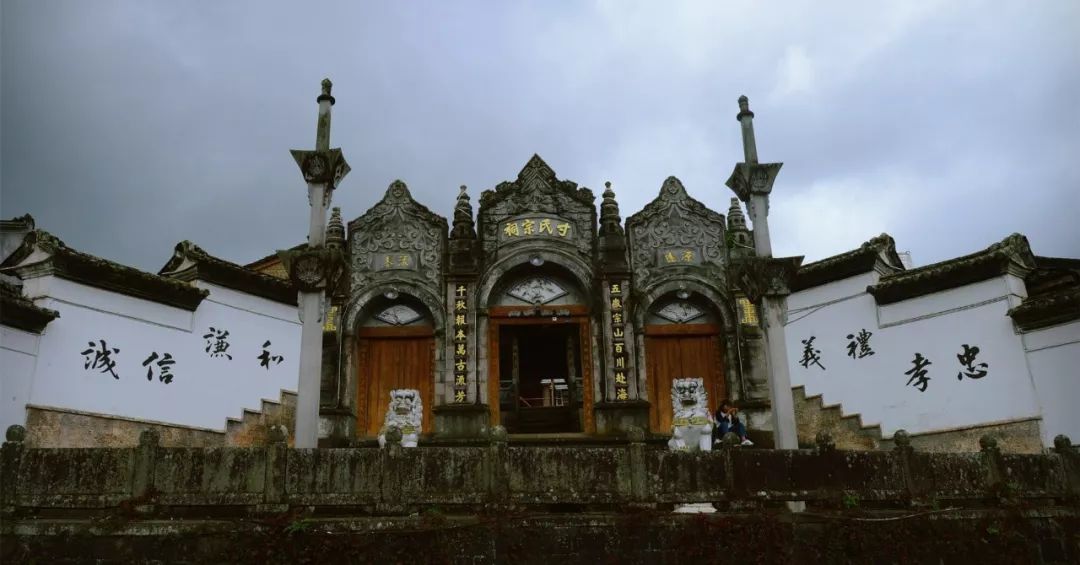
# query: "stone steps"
[812,416]
[252,428]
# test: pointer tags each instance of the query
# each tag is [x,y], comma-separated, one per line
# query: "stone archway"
[686,330]
[394,338]
[536,343]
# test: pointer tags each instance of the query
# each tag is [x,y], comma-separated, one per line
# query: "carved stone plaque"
[537,290]
[399,315]
[679,312]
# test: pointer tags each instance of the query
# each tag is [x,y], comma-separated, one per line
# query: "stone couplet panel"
[462,344]
[621,383]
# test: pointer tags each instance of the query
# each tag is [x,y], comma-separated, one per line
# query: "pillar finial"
[746,119]
[326,86]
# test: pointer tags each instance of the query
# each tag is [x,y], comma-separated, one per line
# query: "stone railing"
[149,478]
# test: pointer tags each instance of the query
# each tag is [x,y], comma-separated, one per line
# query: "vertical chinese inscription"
[618,341]
[460,341]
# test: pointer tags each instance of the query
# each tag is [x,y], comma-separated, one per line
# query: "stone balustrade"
[154,479]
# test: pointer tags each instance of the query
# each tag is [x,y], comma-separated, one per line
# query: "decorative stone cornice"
[877,254]
[190,262]
[1047,310]
[18,312]
[764,276]
[43,254]
[1010,255]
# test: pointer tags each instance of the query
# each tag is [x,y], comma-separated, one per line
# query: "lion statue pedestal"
[691,422]
[691,427]
[405,414]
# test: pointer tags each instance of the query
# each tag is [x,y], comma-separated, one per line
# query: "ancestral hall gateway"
[537,313]
[541,313]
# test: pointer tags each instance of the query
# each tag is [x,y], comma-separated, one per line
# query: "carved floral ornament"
[679,312]
[537,204]
[398,315]
[537,290]
[399,234]
[322,167]
[758,276]
[311,269]
[675,230]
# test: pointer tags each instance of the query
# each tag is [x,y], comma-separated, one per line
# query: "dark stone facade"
[674,251]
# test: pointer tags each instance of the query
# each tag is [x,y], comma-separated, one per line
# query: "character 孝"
[918,373]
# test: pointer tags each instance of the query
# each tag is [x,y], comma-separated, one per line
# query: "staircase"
[813,416]
[253,427]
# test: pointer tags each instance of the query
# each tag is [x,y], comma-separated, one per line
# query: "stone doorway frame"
[501,316]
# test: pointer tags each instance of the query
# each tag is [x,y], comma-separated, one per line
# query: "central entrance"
[540,378]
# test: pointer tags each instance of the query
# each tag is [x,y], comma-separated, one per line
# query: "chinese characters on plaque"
[460,341]
[533,227]
[99,356]
[858,347]
[679,256]
[391,261]
[618,341]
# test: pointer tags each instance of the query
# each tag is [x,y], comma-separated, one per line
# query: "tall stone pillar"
[312,268]
[460,410]
[620,406]
[766,279]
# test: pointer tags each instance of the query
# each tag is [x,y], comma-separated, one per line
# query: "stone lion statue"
[691,424]
[404,414]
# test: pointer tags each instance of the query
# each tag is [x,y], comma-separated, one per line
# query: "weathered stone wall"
[646,538]
[51,427]
[494,502]
[1022,436]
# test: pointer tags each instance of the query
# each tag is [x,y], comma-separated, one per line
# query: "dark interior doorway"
[540,378]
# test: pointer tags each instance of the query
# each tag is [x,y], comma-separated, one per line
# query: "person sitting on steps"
[727,420]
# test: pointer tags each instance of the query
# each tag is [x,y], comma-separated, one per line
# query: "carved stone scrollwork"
[764,276]
[753,178]
[311,270]
[677,223]
[538,191]
[322,167]
[399,229]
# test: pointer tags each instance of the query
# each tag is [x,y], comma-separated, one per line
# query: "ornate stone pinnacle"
[610,222]
[326,86]
[464,228]
[335,230]
[736,219]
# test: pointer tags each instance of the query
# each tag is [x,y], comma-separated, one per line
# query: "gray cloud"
[128,126]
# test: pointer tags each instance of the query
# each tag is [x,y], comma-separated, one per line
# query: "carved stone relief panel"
[674,231]
[536,205]
[398,237]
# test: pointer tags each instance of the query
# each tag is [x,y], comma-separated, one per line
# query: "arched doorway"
[539,351]
[395,349]
[682,339]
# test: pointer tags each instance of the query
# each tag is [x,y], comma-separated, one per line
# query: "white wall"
[1054,359]
[204,391]
[936,326]
[18,355]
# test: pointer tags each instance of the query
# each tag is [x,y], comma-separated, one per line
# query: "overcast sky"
[129,126]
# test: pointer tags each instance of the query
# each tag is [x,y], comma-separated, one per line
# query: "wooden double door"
[677,351]
[393,358]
